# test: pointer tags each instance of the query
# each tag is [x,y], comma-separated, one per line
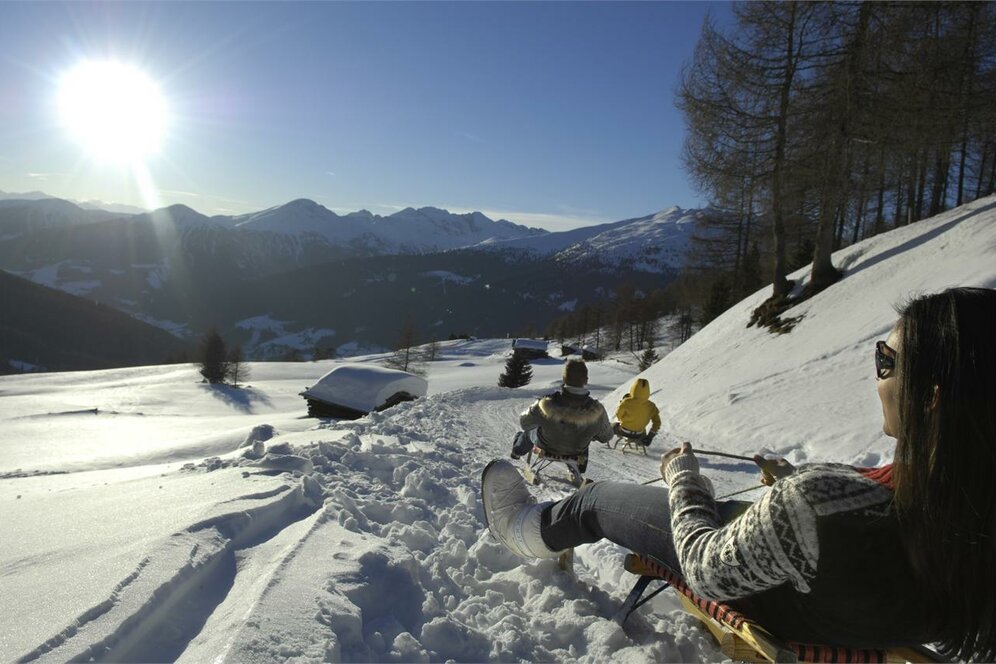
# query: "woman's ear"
[935,398]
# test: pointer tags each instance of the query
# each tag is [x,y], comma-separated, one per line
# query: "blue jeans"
[634,516]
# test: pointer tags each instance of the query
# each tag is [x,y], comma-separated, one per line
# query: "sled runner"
[738,636]
[539,460]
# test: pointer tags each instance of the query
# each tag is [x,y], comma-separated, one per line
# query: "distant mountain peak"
[179,210]
[303,203]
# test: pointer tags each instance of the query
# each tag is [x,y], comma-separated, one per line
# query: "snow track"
[397,565]
[152,614]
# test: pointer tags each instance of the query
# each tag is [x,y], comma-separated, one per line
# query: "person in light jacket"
[564,423]
[635,411]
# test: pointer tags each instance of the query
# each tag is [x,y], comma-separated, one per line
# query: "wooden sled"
[743,640]
[629,439]
[539,460]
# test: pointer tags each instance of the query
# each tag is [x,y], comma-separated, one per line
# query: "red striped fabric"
[881,475]
[720,612]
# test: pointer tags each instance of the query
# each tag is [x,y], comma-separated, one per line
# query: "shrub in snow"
[648,359]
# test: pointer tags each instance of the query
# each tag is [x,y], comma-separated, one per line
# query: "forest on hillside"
[811,126]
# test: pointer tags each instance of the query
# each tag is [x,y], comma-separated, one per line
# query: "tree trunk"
[937,194]
[921,186]
[967,94]
[839,161]
[992,177]
[900,203]
[781,285]
[859,218]
[982,170]
[880,211]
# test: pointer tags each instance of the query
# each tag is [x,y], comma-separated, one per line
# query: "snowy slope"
[364,541]
[655,243]
[810,394]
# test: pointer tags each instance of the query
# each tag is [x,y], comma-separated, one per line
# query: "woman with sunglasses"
[832,554]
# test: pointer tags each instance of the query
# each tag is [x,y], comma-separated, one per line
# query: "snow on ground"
[445,275]
[148,517]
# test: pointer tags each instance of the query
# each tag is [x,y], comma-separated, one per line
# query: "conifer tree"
[648,359]
[518,372]
[212,357]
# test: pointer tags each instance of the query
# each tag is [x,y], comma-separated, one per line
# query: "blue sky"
[554,114]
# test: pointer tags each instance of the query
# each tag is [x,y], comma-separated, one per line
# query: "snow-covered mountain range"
[181,270]
[656,243]
[159,519]
[93,204]
[424,230]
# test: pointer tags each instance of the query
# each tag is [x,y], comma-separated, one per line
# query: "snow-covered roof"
[364,387]
[535,344]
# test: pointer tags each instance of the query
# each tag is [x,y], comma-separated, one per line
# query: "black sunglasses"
[884,364]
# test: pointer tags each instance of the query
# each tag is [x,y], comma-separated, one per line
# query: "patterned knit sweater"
[819,558]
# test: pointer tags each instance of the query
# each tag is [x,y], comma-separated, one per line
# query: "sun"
[114,110]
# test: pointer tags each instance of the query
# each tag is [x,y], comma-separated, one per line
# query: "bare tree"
[406,356]
[237,368]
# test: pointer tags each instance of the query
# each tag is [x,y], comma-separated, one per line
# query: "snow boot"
[511,512]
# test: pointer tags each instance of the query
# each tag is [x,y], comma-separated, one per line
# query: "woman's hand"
[686,448]
[773,470]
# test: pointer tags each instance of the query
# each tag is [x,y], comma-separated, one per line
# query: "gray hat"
[575,373]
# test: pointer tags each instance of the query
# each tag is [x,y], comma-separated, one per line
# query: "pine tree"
[212,357]
[648,359]
[518,372]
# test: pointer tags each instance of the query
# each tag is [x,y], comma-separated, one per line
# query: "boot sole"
[484,501]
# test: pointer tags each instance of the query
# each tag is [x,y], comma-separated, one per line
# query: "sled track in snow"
[157,609]
[378,541]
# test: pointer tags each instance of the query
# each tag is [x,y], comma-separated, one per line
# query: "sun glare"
[114,110]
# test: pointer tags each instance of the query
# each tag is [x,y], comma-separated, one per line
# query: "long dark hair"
[945,464]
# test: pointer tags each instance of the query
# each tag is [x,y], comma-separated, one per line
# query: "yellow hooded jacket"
[636,408]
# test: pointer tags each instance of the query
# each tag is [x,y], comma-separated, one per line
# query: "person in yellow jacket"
[635,411]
